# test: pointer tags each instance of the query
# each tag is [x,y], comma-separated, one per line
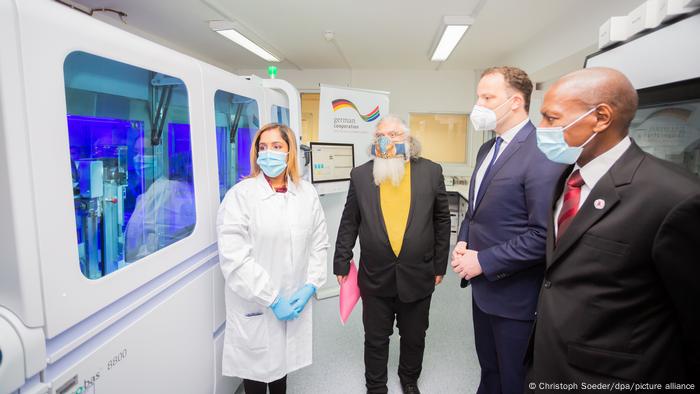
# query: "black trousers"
[254,387]
[378,318]
[500,345]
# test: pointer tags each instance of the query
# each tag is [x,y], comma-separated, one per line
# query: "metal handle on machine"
[234,125]
[11,374]
[23,353]
[158,118]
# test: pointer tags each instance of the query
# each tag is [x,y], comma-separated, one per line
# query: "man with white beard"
[397,204]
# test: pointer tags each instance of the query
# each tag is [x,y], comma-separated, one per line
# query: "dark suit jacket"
[426,242]
[508,227]
[621,295]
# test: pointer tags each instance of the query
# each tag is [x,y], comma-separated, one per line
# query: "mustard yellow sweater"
[395,203]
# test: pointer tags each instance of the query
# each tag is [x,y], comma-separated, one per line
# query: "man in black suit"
[397,204]
[620,297]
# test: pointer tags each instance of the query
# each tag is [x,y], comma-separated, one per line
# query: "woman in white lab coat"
[272,251]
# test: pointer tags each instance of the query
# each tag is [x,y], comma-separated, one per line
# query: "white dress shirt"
[507,137]
[591,174]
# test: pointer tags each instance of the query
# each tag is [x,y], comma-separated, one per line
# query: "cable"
[90,11]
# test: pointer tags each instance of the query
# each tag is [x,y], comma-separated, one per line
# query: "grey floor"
[449,366]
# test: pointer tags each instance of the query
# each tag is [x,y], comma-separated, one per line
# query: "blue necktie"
[488,169]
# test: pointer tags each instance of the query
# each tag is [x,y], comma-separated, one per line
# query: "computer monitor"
[331,162]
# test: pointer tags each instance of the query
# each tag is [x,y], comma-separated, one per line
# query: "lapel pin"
[599,203]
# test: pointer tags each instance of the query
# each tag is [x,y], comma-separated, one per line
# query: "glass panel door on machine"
[237,121]
[670,131]
[131,161]
[667,122]
[280,115]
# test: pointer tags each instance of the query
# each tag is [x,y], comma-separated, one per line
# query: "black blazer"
[621,294]
[426,242]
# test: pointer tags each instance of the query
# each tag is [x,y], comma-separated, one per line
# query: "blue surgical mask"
[271,162]
[551,142]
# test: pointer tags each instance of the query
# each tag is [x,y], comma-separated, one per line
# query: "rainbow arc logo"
[343,103]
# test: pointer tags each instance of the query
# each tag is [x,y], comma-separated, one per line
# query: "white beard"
[389,169]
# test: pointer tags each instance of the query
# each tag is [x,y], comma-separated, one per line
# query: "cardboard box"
[644,17]
[674,8]
[614,30]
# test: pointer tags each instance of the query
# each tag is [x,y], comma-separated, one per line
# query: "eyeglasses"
[391,134]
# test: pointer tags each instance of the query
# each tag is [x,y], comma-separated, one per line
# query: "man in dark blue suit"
[501,248]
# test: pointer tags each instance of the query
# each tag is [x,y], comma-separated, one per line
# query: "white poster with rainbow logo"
[349,115]
[349,110]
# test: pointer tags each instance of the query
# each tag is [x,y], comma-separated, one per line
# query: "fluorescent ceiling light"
[453,31]
[227,30]
[241,40]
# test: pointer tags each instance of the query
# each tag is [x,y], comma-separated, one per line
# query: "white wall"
[422,91]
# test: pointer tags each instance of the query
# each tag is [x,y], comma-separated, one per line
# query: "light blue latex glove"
[301,297]
[283,310]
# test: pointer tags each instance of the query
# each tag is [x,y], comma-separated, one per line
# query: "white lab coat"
[270,244]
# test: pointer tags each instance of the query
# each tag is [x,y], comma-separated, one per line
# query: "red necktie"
[569,208]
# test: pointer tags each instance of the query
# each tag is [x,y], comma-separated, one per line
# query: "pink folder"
[349,293]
